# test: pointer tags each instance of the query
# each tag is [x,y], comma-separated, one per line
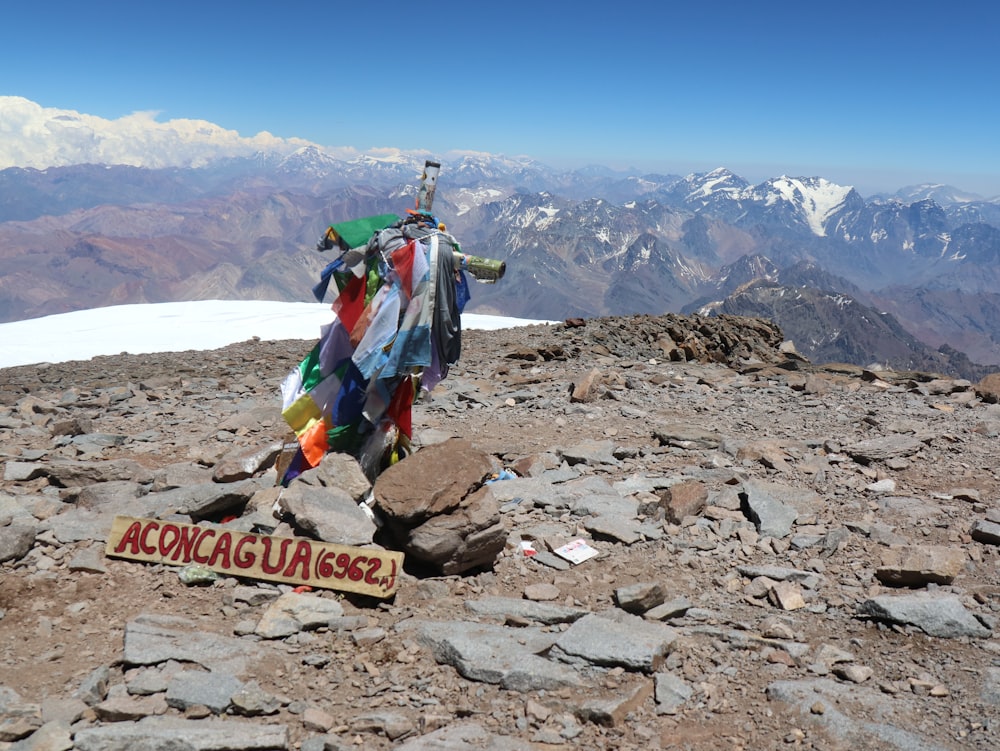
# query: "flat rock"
[151,639]
[497,654]
[845,714]
[190,688]
[916,566]
[614,527]
[16,540]
[462,736]
[546,613]
[206,499]
[880,449]
[686,436]
[933,613]
[174,734]
[244,463]
[616,639]
[294,612]
[591,452]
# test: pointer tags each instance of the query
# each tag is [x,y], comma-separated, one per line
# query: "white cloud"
[41,137]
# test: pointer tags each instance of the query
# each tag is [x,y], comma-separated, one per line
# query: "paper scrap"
[576,551]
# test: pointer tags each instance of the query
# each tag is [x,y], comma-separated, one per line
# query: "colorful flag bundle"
[397,330]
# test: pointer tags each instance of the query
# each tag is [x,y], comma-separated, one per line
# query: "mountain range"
[907,280]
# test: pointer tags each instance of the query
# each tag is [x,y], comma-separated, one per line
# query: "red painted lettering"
[265,564]
[374,564]
[146,547]
[205,534]
[302,555]
[186,543]
[241,559]
[131,537]
[169,536]
[222,550]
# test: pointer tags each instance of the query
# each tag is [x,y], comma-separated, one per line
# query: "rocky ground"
[788,556]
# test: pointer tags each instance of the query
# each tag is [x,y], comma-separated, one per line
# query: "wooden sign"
[292,560]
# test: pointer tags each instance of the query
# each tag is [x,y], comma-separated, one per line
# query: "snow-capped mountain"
[577,243]
[943,195]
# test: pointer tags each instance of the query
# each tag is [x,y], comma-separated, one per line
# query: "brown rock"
[988,389]
[462,539]
[433,481]
[683,499]
[246,462]
[787,595]
[915,566]
[586,388]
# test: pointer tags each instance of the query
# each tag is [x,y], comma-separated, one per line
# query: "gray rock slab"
[670,692]
[686,436]
[116,493]
[639,597]
[616,639]
[69,474]
[250,700]
[16,540]
[880,449]
[294,612]
[15,471]
[463,736]
[180,474]
[933,613]
[206,499]
[337,470]
[605,504]
[771,517]
[845,714]
[175,734]
[545,558]
[614,527]
[575,492]
[983,531]
[18,718]
[244,463]
[522,489]
[329,513]
[12,508]
[781,574]
[495,654]
[590,452]
[78,524]
[989,691]
[188,688]
[673,609]
[545,613]
[52,736]
[151,639]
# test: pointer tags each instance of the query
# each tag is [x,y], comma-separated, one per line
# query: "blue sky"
[876,95]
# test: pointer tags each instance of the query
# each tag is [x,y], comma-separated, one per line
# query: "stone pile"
[786,555]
